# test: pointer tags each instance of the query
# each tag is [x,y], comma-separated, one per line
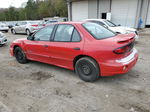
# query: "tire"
[13,31]
[87,69]
[20,55]
[6,31]
[28,32]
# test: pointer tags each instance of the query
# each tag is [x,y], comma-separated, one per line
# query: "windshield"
[98,31]
[109,23]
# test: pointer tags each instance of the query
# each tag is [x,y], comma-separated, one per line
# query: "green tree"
[35,10]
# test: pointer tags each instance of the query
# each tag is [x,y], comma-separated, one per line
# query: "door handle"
[76,48]
[45,45]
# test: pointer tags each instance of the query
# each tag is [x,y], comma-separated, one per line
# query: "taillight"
[124,49]
[121,50]
[34,25]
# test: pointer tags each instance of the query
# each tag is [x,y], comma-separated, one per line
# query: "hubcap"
[13,31]
[19,55]
[28,33]
[86,69]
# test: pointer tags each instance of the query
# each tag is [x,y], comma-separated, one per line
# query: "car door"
[23,27]
[66,45]
[37,49]
[17,27]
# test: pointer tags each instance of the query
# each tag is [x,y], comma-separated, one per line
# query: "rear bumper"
[121,66]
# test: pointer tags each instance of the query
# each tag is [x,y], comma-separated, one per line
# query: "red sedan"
[89,49]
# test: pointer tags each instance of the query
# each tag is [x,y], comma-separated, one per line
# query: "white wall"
[79,10]
[124,12]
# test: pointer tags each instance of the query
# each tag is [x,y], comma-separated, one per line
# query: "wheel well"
[27,29]
[81,56]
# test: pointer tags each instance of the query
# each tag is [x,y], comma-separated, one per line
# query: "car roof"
[69,22]
[95,20]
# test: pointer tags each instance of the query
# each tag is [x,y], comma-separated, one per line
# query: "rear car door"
[38,48]
[67,44]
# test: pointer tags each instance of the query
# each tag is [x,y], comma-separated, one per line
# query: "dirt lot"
[38,87]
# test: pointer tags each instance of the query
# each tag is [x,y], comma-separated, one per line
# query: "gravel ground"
[38,87]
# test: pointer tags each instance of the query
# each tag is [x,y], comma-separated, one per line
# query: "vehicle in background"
[59,19]
[4,27]
[26,27]
[3,39]
[116,28]
[11,24]
[89,49]
[50,22]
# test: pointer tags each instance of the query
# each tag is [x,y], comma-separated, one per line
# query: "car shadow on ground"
[111,79]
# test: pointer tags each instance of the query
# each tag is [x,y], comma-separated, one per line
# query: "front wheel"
[13,31]
[87,69]
[20,55]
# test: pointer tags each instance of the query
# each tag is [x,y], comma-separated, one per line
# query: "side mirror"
[30,38]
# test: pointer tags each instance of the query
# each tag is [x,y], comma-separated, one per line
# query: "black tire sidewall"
[28,31]
[13,31]
[94,75]
[24,60]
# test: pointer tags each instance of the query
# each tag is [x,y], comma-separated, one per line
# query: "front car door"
[66,45]
[38,48]
[23,27]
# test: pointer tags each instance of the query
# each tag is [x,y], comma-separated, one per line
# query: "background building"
[132,13]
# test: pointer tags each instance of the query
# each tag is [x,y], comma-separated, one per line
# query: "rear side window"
[66,33]
[76,36]
[63,33]
[98,31]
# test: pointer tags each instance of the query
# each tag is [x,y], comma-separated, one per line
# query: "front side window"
[98,31]
[23,23]
[64,33]
[44,34]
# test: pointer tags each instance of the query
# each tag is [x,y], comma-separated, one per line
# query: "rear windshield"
[109,23]
[98,31]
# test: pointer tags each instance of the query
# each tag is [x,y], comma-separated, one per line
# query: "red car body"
[65,54]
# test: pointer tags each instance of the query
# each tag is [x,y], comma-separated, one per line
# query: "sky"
[8,3]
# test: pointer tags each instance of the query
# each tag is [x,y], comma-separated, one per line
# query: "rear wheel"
[87,69]
[20,55]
